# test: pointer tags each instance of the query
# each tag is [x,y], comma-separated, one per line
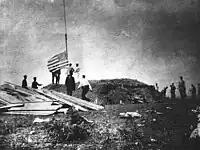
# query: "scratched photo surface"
[148,40]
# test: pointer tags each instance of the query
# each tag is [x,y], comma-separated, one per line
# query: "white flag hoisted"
[57,62]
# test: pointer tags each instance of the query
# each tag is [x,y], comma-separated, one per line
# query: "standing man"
[156,87]
[58,72]
[53,76]
[182,89]
[198,87]
[76,73]
[163,92]
[24,82]
[85,86]
[193,91]
[70,69]
[70,84]
[35,84]
[173,91]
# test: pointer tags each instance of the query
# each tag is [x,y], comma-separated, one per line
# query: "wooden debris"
[40,106]
[65,101]
[30,101]
[29,92]
[10,106]
[35,108]
[44,94]
[2,101]
[38,113]
[9,98]
[78,101]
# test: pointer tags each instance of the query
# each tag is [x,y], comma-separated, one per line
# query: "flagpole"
[65,30]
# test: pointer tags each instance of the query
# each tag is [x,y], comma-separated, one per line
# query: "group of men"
[72,79]
[181,88]
[34,85]
[56,75]
[71,82]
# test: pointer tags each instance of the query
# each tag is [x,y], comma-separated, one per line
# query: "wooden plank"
[41,97]
[40,106]
[39,113]
[9,98]
[83,102]
[10,106]
[63,100]
[44,94]
[4,101]
[78,101]
[18,90]
[34,108]
[22,92]
[28,90]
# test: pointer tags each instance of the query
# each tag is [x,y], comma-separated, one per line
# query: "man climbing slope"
[85,86]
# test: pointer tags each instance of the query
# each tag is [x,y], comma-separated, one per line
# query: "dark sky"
[149,40]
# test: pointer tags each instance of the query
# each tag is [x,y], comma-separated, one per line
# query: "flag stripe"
[53,59]
[54,70]
[49,64]
[57,67]
[58,63]
[52,63]
[62,65]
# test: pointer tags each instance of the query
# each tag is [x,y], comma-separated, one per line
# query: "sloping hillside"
[112,91]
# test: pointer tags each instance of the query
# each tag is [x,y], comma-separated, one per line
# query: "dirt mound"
[115,90]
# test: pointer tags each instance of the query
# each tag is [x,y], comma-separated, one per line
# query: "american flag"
[57,62]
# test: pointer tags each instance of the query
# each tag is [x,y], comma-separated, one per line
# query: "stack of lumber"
[18,100]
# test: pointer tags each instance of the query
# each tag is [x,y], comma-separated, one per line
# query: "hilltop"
[113,90]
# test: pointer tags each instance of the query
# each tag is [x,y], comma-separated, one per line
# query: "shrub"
[60,132]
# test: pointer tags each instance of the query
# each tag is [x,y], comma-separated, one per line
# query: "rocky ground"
[162,126]
[166,125]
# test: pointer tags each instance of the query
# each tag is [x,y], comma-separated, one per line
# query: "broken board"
[78,101]
[38,113]
[36,108]
[62,100]
[10,106]
[9,98]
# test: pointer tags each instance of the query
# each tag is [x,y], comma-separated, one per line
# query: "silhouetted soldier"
[24,82]
[198,86]
[58,72]
[85,86]
[70,84]
[35,84]
[193,91]
[163,92]
[173,91]
[156,87]
[182,88]
[53,76]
